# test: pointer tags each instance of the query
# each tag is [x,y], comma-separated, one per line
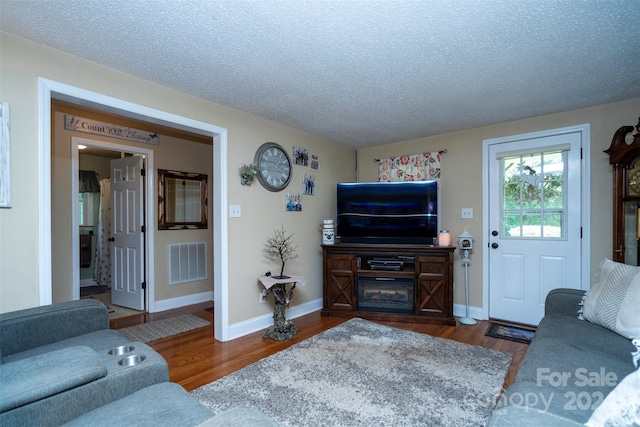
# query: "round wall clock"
[274,166]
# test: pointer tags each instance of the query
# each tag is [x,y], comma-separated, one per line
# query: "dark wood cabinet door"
[340,282]
[432,287]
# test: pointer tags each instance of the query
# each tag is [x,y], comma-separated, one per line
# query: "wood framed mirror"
[182,200]
[624,156]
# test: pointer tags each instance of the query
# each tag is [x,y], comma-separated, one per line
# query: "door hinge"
[143,228]
[144,285]
[142,172]
[581,232]
[580,153]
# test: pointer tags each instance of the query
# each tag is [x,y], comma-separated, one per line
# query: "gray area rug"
[163,328]
[361,373]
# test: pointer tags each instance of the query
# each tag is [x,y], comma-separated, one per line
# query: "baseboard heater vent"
[187,262]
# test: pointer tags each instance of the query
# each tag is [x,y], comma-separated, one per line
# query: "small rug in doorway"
[362,373]
[85,291]
[163,328]
[511,333]
[111,310]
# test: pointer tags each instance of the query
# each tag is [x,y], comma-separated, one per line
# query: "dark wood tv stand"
[399,283]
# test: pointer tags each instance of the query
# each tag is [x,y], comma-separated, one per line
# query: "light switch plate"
[467,213]
[235,211]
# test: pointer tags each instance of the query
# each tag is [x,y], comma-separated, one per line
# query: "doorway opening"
[50,89]
[123,277]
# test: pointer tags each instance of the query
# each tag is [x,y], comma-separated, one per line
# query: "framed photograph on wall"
[293,202]
[5,157]
[314,165]
[308,184]
[300,156]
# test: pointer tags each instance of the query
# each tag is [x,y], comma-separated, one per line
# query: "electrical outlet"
[467,213]
[263,297]
[235,211]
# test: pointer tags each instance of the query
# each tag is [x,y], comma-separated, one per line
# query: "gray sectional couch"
[568,370]
[62,364]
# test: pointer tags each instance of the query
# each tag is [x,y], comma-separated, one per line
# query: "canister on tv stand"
[328,232]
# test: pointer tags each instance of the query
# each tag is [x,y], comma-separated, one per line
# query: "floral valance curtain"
[88,182]
[416,167]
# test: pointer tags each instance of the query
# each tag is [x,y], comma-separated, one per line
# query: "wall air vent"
[187,262]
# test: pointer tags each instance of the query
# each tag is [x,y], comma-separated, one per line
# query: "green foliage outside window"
[533,195]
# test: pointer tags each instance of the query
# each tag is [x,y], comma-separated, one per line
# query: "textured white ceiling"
[361,73]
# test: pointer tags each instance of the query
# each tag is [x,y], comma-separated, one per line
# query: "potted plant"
[280,246]
[248,173]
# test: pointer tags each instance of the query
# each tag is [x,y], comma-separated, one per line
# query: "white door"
[127,245]
[534,224]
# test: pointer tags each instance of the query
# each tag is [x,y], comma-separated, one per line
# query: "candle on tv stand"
[444,238]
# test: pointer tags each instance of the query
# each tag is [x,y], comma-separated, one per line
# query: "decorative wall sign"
[95,127]
[5,158]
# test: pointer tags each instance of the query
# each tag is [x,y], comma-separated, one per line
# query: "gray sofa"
[56,363]
[569,368]
[62,364]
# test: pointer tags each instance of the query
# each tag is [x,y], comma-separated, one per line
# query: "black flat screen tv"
[388,212]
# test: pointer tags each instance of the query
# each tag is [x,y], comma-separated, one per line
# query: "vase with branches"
[280,246]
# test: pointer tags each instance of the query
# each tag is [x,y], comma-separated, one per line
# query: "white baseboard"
[171,303]
[460,310]
[259,323]
[240,329]
[250,326]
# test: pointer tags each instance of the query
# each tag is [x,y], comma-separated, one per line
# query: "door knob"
[494,233]
[494,245]
[111,239]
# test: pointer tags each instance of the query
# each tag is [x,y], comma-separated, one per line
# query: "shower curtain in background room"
[102,269]
[416,167]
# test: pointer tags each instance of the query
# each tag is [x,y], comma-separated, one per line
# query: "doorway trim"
[585,204]
[149,236]
[48,89]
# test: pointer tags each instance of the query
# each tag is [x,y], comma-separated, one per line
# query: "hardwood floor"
[196,359]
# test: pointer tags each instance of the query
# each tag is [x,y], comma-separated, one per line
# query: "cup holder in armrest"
[132,360]
[119,351]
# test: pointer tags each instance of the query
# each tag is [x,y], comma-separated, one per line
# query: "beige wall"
[461,181]
[170,153]
[262,211]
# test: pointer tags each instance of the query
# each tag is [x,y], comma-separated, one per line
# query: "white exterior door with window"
[534,223]
[127,245]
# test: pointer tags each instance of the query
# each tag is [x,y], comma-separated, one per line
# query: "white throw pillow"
[614,300]
[621,407]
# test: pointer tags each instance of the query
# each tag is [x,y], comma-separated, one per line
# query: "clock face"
[274,166]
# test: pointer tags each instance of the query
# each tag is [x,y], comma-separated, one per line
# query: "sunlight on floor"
[118,311]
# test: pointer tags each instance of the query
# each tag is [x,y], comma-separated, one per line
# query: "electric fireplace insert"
[385,294]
